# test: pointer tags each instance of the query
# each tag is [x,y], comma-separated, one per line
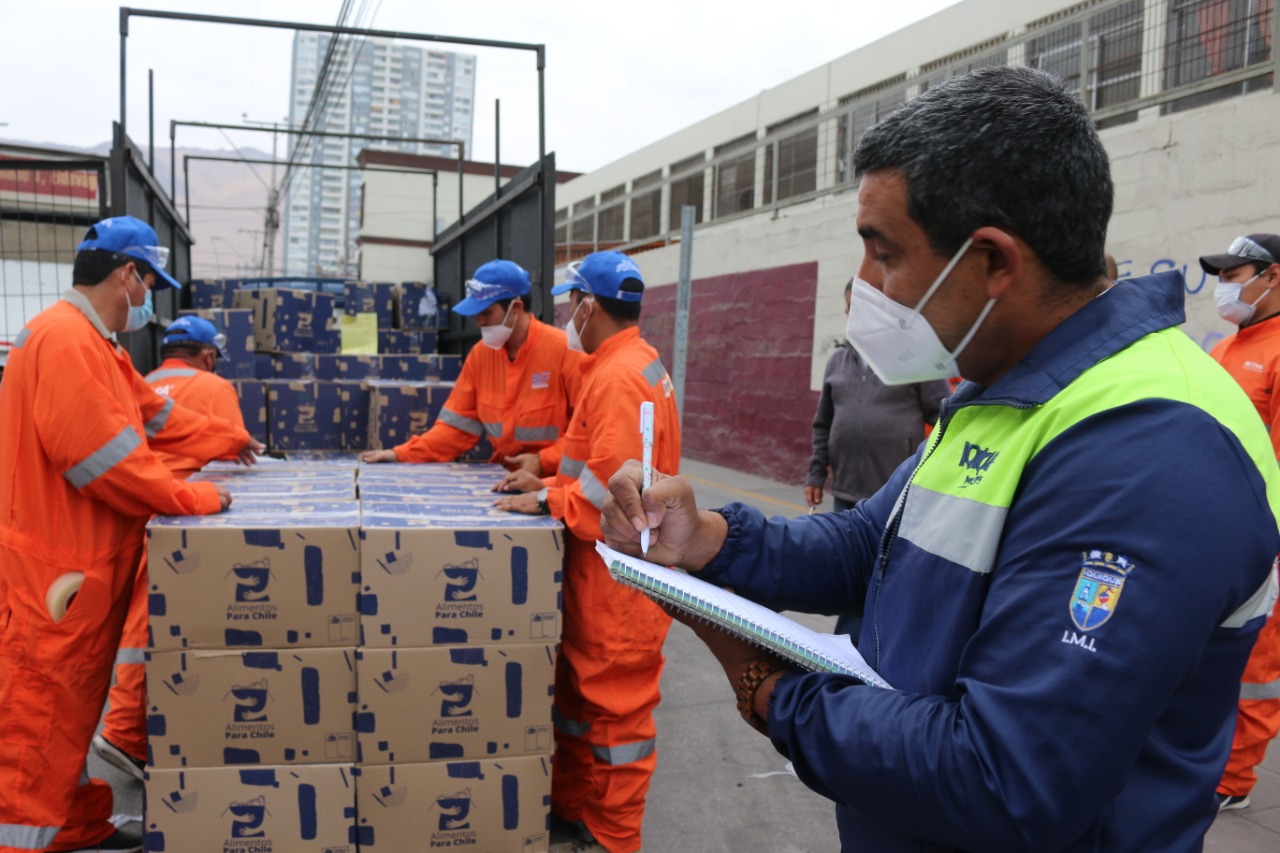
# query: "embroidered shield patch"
[1098,587]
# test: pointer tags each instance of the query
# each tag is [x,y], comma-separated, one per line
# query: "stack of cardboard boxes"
[329,675]
[304,386]
[459,619]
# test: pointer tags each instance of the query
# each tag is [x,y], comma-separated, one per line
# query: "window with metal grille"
[797,158]
[687,189]
[735,185]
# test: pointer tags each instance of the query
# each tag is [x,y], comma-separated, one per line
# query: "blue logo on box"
[251,702]
[254,578]
[455,810]
[247,818]
[461,581]
[456,697]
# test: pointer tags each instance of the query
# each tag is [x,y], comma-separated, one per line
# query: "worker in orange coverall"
[610,658]
[78,481]
[190,351]
[1247,295]
[518,388]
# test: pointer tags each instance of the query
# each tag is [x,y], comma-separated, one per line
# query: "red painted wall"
[747,400]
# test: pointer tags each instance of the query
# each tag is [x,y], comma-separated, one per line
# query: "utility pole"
[271,223]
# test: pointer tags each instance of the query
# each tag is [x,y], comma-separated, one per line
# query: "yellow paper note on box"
[360,334]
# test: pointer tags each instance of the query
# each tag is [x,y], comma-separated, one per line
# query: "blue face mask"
[141,315]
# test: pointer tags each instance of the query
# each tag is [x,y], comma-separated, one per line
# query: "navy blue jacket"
[1031,711]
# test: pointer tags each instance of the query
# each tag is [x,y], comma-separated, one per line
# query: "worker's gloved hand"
[224,496]
[679,534]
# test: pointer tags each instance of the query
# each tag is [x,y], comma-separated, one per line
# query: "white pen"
[646,435]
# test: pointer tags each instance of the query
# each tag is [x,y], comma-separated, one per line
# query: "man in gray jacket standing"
[862,431]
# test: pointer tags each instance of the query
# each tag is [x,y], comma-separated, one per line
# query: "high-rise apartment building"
[377,86]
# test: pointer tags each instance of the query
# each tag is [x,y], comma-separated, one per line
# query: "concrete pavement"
[721,788]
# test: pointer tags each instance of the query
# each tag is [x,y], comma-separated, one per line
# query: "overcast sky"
[618,76]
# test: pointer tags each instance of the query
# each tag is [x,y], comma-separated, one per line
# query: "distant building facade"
[380,87]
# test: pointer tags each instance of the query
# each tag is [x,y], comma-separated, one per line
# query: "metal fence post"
[683,287]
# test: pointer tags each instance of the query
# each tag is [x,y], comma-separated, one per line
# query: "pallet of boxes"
[332,365]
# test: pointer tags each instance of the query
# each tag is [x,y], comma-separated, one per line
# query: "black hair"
[1004,146]
[93,266]
[848,287]
[618,310]
[187,348]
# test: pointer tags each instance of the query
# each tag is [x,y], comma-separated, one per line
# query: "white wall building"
[380,87]
[1182,91]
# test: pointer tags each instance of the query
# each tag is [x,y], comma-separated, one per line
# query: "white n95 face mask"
[574,337]
[1230,308]
[496,337]
[897,342]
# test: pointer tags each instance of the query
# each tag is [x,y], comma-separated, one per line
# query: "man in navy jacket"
[1064,582]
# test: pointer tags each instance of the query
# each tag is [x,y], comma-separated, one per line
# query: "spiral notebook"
[758,625]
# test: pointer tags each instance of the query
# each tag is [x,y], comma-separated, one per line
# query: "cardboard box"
[400,410]
[286,320]
[253,579]
[211,293]
[353,397]
[293,365]
[214,708]
[431,582]
[303,415]
[347,367]
[237,325]
[494,806]
[418,306]
[253,406]
[445,704]
[444,368]
[479,491]
[303,809]
[399,341]
[371,297]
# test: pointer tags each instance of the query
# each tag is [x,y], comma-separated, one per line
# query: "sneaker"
[1230,802]
[120,841]
[117,757]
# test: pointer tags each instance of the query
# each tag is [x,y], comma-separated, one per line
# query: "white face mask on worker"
[496,336]
[897,342]
[574,341]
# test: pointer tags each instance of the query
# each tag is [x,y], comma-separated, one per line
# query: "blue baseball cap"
[196,330]
[493,281]
[602,274]
[129,236]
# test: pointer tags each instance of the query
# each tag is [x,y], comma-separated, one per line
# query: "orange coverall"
[610,660]
[1252,357]
[205,393]
[522,405]
[78,482]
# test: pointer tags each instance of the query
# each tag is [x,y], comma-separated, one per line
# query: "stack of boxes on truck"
[304,385]
[445,678]
[251,676]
